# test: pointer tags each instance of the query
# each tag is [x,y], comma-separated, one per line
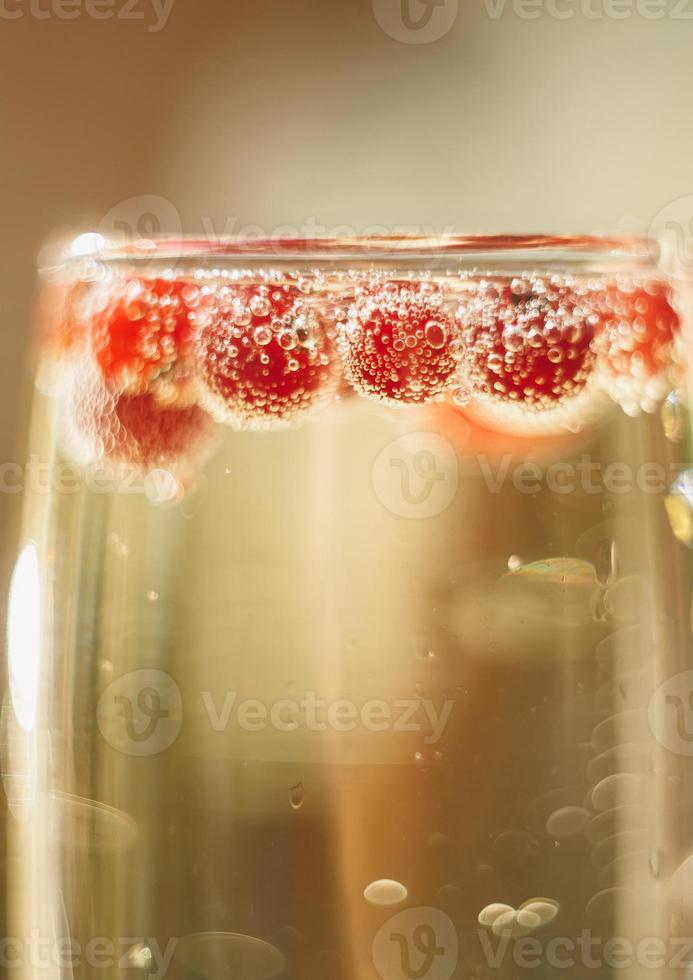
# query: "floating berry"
[636,346]
[528,348]
[142,336]
[108,426]
[398,343]
[264,357]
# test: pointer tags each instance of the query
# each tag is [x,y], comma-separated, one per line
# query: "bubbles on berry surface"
[260,305]
[528,352]
[397,343]
[135,432]
[141,334]
[638,332]
[435,333]
[461,397]
[266,368]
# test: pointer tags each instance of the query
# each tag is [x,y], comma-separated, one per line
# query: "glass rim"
[465,248]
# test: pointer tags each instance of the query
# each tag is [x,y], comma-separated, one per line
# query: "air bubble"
[615,790]
[605,561]
[260,305]
[492,912]
[679,508]
[514,563]
[512,339]
[673,418]
[461,397]
[296,796]
[262,336]
[384,892]
[568,821]
[435,334]
[516,924]
[545,908]
[140,956]
[627,599]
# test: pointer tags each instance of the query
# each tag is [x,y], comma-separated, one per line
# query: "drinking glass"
[348,632]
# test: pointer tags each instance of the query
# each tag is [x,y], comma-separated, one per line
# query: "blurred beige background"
[322,112]
[571,116]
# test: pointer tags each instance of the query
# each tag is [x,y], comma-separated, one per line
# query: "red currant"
[265,356]
[528,346]
[638,331]
[398,343]
[142,336]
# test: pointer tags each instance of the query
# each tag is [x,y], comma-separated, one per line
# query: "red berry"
[398,343]
[636,345]
[528,346]
[264,357]
[142,336]
[104,425]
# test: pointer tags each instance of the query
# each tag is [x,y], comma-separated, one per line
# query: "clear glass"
[395,686]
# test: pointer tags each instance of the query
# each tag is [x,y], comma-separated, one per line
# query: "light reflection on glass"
[24,636]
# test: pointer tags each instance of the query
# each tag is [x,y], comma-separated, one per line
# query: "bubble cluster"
[505,920]
[398,343]
[264,357]
[103,425]
[259,349]
[638,329]
[528,344]
[142,335]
